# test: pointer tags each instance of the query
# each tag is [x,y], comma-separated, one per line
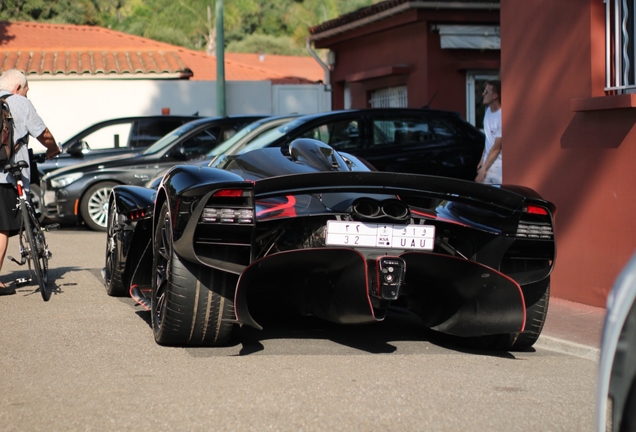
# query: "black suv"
[418,141]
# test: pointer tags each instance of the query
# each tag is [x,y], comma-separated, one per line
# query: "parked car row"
[82,189]
[419,141]
[107,138]
[113,137]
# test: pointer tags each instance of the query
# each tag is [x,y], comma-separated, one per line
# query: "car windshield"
[223,147]
[268,137]
[170,138]
[233,145]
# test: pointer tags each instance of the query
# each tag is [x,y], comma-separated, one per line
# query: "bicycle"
[33,247]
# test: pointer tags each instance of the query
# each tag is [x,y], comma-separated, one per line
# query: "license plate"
[363,234]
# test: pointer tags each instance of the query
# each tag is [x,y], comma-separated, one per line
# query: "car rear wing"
[394,184]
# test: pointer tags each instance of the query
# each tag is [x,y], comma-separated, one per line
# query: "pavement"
[573,328]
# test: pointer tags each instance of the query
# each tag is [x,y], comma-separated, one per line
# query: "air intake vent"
[227,215]
[535,230]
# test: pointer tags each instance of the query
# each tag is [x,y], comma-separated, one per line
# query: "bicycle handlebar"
[16,167]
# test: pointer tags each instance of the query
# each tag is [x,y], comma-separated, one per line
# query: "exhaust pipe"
[369,209]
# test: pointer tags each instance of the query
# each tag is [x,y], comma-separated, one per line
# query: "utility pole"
[220,60]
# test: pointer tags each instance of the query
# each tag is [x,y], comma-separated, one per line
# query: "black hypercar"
[335,239]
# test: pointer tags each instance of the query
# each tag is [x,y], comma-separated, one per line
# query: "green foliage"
[273,27]
[259,43]
[60,11]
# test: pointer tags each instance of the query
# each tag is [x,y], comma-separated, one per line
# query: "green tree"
[276,27]
[61,11]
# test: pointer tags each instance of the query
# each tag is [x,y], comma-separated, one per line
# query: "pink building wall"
[553,60]
[369,58]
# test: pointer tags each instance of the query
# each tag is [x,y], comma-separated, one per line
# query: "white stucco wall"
[70,105]
[300,99]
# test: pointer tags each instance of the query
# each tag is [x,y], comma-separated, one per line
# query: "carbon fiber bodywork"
[489,242]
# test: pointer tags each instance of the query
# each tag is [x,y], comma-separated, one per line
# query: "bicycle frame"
[32,243]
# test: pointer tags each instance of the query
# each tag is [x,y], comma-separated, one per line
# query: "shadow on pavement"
[382,337]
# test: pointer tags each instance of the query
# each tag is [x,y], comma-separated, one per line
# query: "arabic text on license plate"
[362,234]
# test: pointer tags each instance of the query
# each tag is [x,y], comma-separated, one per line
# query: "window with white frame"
[620,46]
[391,97]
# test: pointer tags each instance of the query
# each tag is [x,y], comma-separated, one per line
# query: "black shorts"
[9,215]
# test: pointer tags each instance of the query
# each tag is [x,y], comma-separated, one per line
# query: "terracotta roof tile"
[63,50]
[148,62]
[35,64]
[47,63]
[11,60]
[73,62]
[86,63]
[110,63]
[98,63]
[60,63]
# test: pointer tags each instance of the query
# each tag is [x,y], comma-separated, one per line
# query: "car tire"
[191,304]
[114,267]
[94,205]
[537,298]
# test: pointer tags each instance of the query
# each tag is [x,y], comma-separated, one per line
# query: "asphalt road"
[87,362]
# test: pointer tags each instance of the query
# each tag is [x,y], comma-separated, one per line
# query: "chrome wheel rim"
[98,206]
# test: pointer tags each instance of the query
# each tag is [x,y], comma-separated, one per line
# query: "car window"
[170,138]
[444,128]
[227,134]
[229,131]
[239,140]
[264,139]
[147,131]
[201,143]
[108,137]
[230,142]
[341,135]
[404,131]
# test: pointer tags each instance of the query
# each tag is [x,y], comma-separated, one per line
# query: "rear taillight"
[533,209]
[228,193]
[535,223]
[139,214]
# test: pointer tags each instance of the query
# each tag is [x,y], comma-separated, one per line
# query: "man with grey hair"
[26,121]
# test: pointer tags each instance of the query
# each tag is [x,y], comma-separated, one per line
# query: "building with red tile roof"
[68,51]
[96,74]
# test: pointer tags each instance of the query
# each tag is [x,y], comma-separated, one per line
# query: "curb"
[567,347]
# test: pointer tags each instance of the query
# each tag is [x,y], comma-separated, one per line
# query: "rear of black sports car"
[472,261]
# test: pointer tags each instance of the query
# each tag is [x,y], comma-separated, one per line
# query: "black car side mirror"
[75,149]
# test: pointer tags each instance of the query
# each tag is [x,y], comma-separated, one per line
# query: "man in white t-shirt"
[489,169]
[26,122]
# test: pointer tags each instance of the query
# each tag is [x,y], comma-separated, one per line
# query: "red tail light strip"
[283,210]
[532,209]
[228,193]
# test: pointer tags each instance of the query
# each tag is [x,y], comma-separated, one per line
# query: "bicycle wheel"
[36,245]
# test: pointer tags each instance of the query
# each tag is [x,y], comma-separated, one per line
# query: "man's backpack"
[7,146]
